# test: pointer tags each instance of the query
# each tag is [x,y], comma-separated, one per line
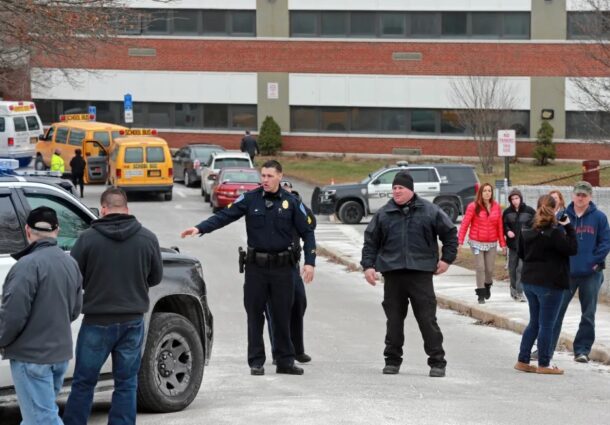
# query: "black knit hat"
[43,219]
[403,179]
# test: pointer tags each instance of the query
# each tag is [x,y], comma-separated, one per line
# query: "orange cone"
[332,180]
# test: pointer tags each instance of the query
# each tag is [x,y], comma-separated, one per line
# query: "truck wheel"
[450,208]
[168,196]
[172,365]
[39,164]
[351,212]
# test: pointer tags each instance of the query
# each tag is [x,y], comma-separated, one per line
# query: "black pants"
[400,287]
[274,286]
[77,179]
[296,317]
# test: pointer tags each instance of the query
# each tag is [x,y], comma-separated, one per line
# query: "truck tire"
[187,179]
[172,365]
[351,212]
[39,164]
[168,196]
[450,208]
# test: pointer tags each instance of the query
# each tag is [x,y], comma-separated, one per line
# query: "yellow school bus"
[141,162]
[73,132]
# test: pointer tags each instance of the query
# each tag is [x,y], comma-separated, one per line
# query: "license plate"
[133,173]
[33,140]
[154,173]
[96,170]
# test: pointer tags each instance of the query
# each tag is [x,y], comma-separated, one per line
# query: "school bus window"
[155,154]
[32,123]
[19,124]
[61,135]
[134,155]
[76,137]
[2,125]
[103,137]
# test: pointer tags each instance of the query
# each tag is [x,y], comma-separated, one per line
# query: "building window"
[186,22]
[243,116]
[424,24]
[243,23]
[588,125]
[516,25]
[215,116]
[365,120]
[157,22]
[334,119]
[589,25]
[334,24]
[423,121]
[393,121]
[392,25]
[187,115]
[485,24]
[450,123]
[214,22]
[362,24]
[454,24]
[304,24]
[304,118]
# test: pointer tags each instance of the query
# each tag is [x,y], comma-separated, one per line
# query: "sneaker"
[302,358]
[289,370]
[581,358]
[549,370]
[391,369]
[437,372]
[526,367]
[534,355]
[257,371]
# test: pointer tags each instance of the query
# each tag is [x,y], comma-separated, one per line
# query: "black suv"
[451,186]
[179,324]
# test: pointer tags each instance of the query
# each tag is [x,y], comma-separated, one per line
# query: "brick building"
[368,76]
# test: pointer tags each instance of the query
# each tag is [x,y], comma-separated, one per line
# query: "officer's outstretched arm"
[227,215]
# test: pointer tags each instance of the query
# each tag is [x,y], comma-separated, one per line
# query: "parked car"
[451,186]
[189,160]
[232,183]
[179,320]
[217,162]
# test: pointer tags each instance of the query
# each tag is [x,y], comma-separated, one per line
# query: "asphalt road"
[345,328]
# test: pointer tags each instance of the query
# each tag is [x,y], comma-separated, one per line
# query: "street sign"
[273,91]
[93,112]
[507,143]
[128,108]
[129,116]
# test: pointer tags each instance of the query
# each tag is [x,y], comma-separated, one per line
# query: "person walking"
[517,216]
[120,260]
[545,249]
[249,145]
[400,242]
[586,267]
[57,162]
[484,220]
[41,296]
[272,217]
[77,165]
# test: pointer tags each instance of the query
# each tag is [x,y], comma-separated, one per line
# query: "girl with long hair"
[484,219]
[545,250]
[560,203]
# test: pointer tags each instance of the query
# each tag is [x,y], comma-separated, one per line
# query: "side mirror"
[376,182]
[212,177]
[42,137]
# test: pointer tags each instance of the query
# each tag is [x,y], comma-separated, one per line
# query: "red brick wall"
[444,147]
[446,58]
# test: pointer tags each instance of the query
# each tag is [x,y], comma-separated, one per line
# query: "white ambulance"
[20,127]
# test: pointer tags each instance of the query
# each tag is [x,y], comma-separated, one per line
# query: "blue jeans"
[544,306]
[37,386]
[95,343]
[588,291]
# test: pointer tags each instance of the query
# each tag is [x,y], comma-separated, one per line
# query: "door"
[22,137]
[380,189]
[178,161]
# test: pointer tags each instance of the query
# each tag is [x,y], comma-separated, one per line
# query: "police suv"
[179,323]
[451,186]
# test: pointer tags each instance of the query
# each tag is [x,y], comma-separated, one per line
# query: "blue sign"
[93,111]
[128,104]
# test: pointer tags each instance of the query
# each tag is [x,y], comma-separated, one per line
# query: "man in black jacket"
[516,217]
[119,260]
[401,243]
[249,145]
[77,168]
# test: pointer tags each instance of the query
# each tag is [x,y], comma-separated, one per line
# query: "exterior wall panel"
[428,5]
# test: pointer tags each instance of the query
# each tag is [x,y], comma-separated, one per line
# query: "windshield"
[370,176]
[240,177]
[203,154]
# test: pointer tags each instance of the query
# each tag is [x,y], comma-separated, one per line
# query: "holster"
[271,260]
[242,259]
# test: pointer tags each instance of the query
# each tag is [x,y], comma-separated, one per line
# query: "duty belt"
[272,260]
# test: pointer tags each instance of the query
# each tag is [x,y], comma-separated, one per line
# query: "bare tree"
[484,106]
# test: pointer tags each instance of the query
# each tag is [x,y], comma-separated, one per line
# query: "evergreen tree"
[270,137]
[545,148]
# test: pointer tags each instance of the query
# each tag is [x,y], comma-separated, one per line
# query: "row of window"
[509,25]
[27,123]
[236,23]
[390,120]
[158,115]
[588,125]
[588,25]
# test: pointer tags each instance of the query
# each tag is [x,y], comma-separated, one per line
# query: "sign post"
[128,108]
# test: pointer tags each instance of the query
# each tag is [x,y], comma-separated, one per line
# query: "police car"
[451,186]
[179,323]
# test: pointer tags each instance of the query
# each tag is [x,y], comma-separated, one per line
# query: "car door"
[12,239]
[178,161]
[22,137]
[426,182]
[380,189]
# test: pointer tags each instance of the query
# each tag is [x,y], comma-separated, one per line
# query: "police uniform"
[271,220]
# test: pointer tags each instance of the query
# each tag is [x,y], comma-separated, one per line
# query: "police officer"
[272,215]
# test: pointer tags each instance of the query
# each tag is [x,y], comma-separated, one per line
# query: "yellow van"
[73,132]
[141,162]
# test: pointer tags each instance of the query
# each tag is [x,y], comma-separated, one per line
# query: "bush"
[270,137]
[545,148]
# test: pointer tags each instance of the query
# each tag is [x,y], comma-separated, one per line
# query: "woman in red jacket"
[484,218]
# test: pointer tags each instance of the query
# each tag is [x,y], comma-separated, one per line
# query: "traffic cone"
[332,180]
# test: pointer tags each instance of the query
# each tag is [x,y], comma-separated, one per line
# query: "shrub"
[270,137]
[545,148]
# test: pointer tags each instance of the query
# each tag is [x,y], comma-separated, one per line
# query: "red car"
[231,183]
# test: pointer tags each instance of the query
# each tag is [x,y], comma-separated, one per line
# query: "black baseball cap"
[43,219]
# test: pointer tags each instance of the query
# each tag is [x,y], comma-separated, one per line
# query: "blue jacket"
[593,237]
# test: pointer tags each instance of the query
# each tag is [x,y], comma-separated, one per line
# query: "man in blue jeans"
[586,267]
[119,260]
[41,296]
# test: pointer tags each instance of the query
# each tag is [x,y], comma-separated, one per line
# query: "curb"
[599,353]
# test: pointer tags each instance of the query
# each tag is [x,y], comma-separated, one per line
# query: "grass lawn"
[321,171]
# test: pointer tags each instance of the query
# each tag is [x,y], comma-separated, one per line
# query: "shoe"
[302,358]
[534,355]
[480,295]
[526,367]
[437,372]
[581,358]
[391,369]
[257,371]
[522,298]
[488,290]
[290,370]
[549,370]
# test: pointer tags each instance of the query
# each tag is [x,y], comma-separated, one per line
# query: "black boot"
[481,294]
[488,290]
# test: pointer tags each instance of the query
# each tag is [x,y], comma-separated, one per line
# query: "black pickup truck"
[179,325]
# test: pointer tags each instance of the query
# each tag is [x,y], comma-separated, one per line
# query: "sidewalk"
[455,290]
